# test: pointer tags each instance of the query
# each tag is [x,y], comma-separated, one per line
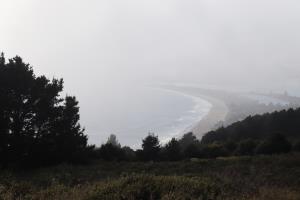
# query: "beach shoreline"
[196,126]
[214,118]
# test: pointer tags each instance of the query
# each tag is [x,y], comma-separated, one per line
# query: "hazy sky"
[100,43]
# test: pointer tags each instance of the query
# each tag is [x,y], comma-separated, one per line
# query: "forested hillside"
[259,127]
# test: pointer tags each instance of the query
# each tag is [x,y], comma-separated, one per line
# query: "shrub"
[192,151]
[129,154]
[213,150]
[275,144]
[246,147]
[230,147]
[109,152]
[148,187]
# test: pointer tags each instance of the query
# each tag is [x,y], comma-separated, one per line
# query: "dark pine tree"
[151,148]
[275,144]
[36,125]
[187,140]
[71,141]
[173,150]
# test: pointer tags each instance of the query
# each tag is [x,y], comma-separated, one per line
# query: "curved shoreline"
[215,116]
[197,125]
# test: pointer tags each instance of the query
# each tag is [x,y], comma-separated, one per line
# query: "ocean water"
[132,113]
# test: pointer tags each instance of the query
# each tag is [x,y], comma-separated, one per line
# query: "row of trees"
[189,147]
[259,127]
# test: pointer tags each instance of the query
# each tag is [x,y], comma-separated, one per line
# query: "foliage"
[192,151]
[259,127]
[230,147]
[151,148]
[246,147]
[213,150]
[112,139]
[150,187]
[296,146]
[37,126]
[275,144]
[232,178]
[109,152]
[187,140]
[173,150]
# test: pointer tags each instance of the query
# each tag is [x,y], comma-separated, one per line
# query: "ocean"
[132,113]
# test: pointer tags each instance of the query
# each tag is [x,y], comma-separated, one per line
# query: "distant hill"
[259,127]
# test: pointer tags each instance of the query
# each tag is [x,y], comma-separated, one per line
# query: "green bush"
[213,150]
[246,147]
[276,144]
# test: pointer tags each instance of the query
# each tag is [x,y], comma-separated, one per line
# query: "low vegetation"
[259,177]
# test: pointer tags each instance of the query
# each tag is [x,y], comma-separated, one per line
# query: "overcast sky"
[109,42]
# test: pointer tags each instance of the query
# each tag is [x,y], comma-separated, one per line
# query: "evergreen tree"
[246,147]
[151,148]
[36,125]
[70,140]
[173,150]
[275,144]
[109,152]
[112,139]
[187,140]
[192,151]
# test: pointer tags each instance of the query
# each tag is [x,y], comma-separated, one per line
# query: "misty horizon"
[116,42]
[104,49]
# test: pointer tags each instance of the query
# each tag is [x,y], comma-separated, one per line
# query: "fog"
[97,46]
[110,41]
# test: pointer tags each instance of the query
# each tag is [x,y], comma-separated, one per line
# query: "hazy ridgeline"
[38,127]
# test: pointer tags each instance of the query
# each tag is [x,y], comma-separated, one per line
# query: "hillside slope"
[259,127]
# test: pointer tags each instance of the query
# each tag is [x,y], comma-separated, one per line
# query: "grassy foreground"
[260,177]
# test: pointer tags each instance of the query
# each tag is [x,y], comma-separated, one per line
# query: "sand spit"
[214,119]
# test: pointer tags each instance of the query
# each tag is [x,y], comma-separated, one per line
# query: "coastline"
[229,107]
[213,118]
[197,126]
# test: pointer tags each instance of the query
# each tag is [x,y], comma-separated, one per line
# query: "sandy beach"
[229,107]
[214,118]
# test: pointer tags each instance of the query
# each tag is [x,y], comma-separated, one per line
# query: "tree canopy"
[37,126]
[151,148]
[259,127]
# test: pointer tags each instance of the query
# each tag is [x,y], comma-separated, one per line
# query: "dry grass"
[248,178]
